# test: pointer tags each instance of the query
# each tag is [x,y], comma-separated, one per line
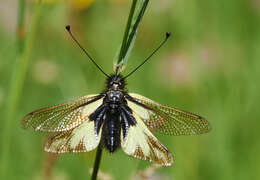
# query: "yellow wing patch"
[80,139]
[141,143]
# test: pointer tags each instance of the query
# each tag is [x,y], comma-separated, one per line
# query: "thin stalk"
[127,29]
[97,163]
[16,85]
[20,26]
[120,57]
[133,32]
[137,20]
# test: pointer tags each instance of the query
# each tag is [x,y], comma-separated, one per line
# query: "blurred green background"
[210,66]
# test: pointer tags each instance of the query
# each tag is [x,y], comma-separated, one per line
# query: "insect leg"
[129,116]
[124,124]
[98,117]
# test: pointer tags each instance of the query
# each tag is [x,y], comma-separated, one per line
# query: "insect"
[114,119]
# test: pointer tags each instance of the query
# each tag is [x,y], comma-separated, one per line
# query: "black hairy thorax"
[113,116]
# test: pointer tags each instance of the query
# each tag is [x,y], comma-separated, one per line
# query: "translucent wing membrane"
[79,139]
[141,143]
[62,117]
[167,120]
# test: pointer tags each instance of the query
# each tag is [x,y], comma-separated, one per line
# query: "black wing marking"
[167,120]
[62,117]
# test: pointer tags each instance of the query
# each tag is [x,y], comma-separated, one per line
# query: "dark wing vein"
[168,120]
[61,117]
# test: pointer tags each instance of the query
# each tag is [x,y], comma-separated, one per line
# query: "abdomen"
[111,132]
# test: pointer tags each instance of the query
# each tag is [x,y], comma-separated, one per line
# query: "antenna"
[167,35]
[85,51]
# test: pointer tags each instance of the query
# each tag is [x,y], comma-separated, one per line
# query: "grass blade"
[130,35]
[16,83]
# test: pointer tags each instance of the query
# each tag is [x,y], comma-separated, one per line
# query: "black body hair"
[116,78]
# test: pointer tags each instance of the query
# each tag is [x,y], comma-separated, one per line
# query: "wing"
[62,117]
[141,143]
[79,139]
[167,120]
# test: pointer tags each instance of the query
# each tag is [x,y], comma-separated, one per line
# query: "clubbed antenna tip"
[68,27]
[168,34]
[84,50]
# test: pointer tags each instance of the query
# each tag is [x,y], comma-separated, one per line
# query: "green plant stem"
[137,19]
[20,27]
[97,163]
[16,85]
[127,29]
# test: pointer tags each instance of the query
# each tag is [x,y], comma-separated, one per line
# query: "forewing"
[79,139]
[62,117]
[167,120]
[141,143]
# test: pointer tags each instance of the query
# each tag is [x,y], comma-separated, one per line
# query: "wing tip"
[207,126]
[169,161]
[24,123]
[26,120]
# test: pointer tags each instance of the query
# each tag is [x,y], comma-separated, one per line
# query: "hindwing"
[79,139]
[141,143]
